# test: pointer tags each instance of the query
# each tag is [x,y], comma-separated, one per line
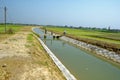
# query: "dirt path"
[21,59]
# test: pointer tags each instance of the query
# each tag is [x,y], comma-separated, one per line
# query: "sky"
[86,13]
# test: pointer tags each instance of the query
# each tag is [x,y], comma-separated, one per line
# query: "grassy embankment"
[43,59]
[107,40]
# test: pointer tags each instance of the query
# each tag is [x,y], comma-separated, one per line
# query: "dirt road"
[23,58]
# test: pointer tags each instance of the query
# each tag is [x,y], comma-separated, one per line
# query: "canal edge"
[108,55]
[59,64]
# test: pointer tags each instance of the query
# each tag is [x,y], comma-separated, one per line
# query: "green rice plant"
[110,41]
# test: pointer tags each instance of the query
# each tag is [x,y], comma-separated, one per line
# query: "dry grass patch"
[41,58]
[23,58]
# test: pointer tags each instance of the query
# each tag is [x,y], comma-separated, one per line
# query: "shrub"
[10,31]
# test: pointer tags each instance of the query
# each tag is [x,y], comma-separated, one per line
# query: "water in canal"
[83,65]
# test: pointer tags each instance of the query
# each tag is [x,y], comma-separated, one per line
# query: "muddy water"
[82,64]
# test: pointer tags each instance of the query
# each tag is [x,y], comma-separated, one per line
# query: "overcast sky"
[87,13]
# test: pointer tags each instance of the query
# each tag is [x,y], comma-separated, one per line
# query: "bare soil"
[23,59]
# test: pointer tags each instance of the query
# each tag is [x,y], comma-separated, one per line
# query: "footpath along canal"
[82,64]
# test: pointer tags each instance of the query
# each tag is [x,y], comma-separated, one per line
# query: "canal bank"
[109,55]
[63,69]
[94,49]
[82,64]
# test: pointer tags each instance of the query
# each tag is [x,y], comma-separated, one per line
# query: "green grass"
[103,39]
[30,37]
[15,28]
[90,34]
[30,40]
[3,35]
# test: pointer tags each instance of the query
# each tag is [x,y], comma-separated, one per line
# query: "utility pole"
[109,28]
[5,10]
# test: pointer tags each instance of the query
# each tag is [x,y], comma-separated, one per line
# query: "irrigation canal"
[83,65]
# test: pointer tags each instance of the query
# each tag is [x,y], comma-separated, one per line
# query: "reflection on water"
[83,65]
[63,43]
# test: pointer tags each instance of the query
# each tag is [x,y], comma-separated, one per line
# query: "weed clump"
[10,31]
